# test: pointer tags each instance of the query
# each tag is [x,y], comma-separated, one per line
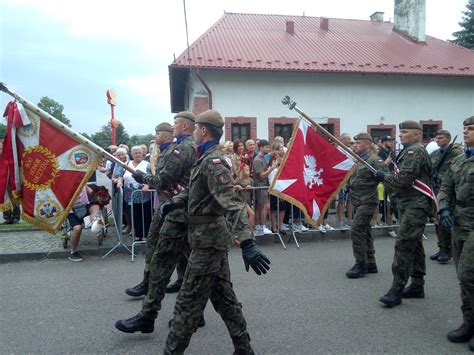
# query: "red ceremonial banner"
[52,166]
[312,173]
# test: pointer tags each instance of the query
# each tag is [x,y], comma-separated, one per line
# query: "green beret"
[186,114]
[210,117]
[410,125]
[443,132]
[363,136]
[165,127]
[468,121]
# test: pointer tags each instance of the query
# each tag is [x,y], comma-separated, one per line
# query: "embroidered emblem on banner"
[40,168]
[312,176]
[79,158]
[31,129]
[48,209]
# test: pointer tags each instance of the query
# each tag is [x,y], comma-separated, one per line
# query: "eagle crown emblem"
[312,175]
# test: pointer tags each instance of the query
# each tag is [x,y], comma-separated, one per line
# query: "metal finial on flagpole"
[286,100]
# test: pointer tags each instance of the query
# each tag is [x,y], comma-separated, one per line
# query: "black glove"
[253,257]
[139,176]
[165,208]
[446,218]
[379,176]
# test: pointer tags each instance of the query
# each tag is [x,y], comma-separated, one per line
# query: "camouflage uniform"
[413,162]
[171,237]
[457,194]
[364,198]
[444,235]
[215,216]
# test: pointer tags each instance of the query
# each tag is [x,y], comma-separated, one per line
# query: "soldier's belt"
[205,219]
[464,204]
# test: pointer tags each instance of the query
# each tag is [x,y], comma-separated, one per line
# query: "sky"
[73,51]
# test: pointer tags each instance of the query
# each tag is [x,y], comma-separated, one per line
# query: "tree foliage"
[465,37]
[54,108]
[103,138]
[138,139]
[3,130]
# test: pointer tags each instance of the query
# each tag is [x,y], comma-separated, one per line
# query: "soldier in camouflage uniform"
[363,189]
[172,243]
[456,200]
[163,140]
[215,216]
[441,160]
[413,162]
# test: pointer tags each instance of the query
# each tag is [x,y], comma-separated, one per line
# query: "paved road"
[304,306]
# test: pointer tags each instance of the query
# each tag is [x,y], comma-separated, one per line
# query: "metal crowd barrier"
[153,195]
[117,215]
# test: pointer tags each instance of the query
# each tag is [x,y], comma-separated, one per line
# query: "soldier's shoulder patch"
[176,152]
[216,161]
[380,161]
[410,153]
[223,177]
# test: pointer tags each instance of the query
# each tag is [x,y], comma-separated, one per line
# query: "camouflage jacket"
[362,185]
[173,169]
[211,195]
[443,169]
[457,190]
[412,163]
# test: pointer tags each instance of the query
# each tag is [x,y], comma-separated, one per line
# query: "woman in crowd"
[117,174]
[228,152]
[238,147]
[138,204]
[243,184]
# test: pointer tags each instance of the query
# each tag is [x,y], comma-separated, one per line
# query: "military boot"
[435,255]
[136,324]
[392,298]
[242,345]
[443,257]
[139,290]
[413,291]
[174,287]
[358,270]
[372,268]
[463,334]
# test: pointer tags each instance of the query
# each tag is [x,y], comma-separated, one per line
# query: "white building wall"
[358,100]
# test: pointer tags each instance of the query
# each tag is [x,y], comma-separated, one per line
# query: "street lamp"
[112,101]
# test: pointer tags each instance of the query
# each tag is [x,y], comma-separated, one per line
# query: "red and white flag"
[46,168]
[312,173]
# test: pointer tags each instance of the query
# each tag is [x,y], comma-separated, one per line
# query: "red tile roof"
[261,43]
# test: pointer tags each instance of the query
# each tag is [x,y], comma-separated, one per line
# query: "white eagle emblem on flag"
[312,175]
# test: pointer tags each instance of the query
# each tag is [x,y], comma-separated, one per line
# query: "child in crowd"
[243,185]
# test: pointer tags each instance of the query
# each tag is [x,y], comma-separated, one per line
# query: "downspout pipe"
[203,82]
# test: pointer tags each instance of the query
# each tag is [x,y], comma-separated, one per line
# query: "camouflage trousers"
[361,234]
[409,258]
[169,251]
[207,277]
[463,256]
[152,240]
[444,238]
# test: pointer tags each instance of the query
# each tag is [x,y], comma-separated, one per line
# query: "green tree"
[54,108]
[138,139]
[3,130]
[103,138]
[465,37]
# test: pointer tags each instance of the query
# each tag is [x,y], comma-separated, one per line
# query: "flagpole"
[292,105]
[65,129]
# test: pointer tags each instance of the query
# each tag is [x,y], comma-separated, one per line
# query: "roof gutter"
[203,82]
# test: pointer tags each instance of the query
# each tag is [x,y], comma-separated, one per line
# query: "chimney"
[290,27]
[324,23]
[410,18]
[376,16]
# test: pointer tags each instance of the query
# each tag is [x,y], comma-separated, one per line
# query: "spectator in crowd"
[261,170]
[146,155]
[281,141]
[343,199]
[228,150]
[388,156]
[81,209]
[138,204]
[249,154]
[243,185]
[238,147]
[109,165]
[277,206]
